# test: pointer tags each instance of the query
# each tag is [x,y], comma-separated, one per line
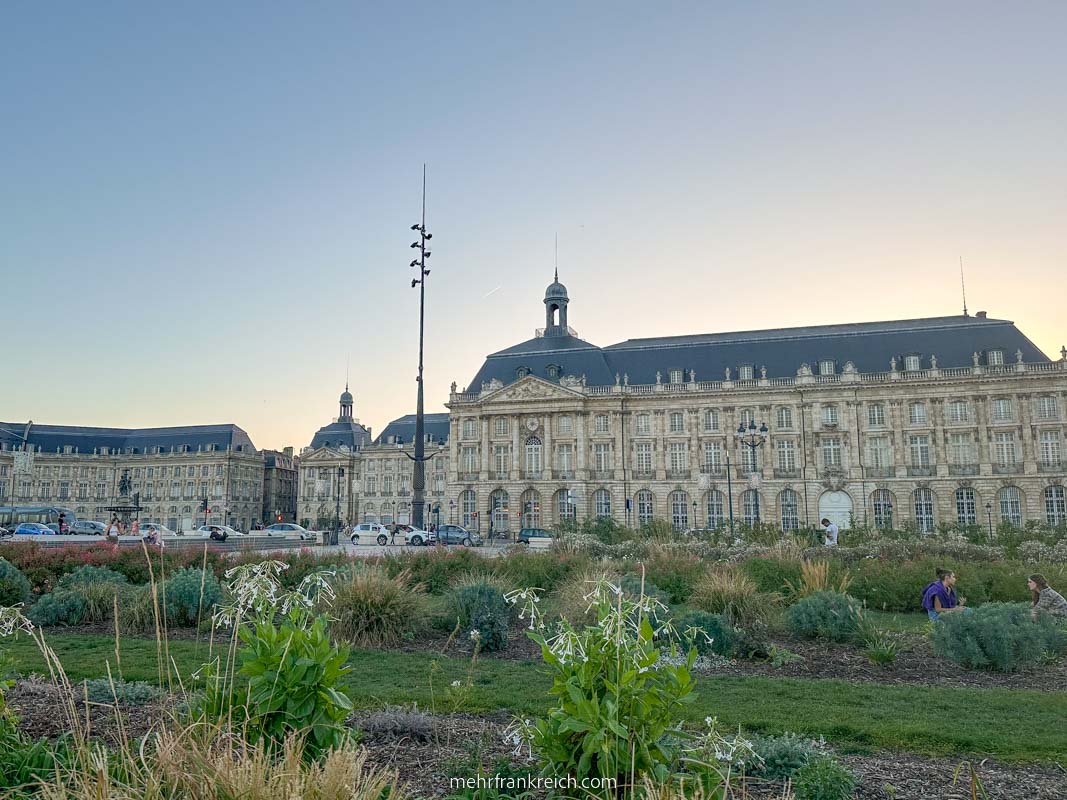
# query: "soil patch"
[915,664]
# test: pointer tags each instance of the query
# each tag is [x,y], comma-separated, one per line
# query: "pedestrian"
[113,529]
[940,598]
[136,528]
[830,537]
[1045,598]
[63,523]
[392,534]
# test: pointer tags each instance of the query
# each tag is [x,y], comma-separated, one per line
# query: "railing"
[962,469]
[921,472]
[533,475]
[644,474]
[601,474]
[946,373]
[787,473]
[467,477]
[1007,469]
[678,474]
[563,474]
[1047,467]
[879,472]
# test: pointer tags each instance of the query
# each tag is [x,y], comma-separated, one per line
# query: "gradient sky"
[204,207]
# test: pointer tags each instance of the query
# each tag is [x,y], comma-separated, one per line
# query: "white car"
[291,529]
[370,533]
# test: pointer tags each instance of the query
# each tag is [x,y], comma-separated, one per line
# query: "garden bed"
[915,664]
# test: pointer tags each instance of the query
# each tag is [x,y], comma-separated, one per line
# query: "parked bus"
[12,516]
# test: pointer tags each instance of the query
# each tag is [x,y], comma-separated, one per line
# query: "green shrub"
[633,588]
[190,595]
[824,779]
[998,636]
[372,610]
[728,591]
[479,605]
[677,574]
[435,569]
[137,609]
[708,633]
[782,756]
[134,693]
[826,615]
[89,575]
[546,571]
[61,607]
[14,586]
[772,574]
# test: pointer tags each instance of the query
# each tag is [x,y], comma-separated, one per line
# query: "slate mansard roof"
[870,346]
[436,426]
[342,433]
[54,438]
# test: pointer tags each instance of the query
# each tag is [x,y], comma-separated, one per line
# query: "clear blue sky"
[205,206]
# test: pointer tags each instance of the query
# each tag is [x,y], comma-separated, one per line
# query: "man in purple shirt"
[940,598]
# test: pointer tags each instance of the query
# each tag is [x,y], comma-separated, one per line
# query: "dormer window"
[829,415]
[522,372]
[994,358]
[552,370]
[826,367]
[744,372]
[677,376]
[912,363]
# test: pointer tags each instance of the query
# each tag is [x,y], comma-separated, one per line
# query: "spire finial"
[556,276]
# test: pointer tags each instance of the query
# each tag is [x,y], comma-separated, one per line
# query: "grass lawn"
[926,720]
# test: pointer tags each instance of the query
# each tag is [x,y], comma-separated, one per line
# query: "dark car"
[526,534]
[83,526]
[456,534]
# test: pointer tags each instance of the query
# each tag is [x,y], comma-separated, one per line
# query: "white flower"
[456,684]
[475,635]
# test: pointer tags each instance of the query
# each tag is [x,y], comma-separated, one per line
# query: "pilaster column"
[484,447]
[549,463]
[516,421]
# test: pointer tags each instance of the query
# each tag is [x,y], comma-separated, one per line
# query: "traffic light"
[279,518]
[203,505]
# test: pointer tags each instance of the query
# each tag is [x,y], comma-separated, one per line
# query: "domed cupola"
[556,308]
[346,404]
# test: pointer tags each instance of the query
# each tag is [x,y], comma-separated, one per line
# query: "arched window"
[882,502]
[602,503]
[565,507]
[369,514]
[403,513]
[966,506]
[924,510]
[715,504]
[1011,506]
[646,508]
[750,507]
[1055,506]
[468,503]
[789,506]
[531,509]
[679,510]
[533,456]
[499,517]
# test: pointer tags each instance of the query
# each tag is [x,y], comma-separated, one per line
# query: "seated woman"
[940,598]
[1045,598]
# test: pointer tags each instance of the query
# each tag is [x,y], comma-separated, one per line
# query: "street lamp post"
[337,527]
[753,438]
[420,457]
[695,521]
[451,512]
[989,519]
[730,491]
[889,516]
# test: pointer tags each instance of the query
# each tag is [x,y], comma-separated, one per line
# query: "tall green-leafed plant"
[618,705]
[286,678]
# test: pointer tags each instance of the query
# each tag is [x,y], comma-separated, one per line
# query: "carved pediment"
[530,388]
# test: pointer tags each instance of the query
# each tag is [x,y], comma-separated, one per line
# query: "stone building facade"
[930,421]
[279,486]
[171,470]
[369,480]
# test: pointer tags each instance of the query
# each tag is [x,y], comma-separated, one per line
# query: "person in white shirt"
[831,533]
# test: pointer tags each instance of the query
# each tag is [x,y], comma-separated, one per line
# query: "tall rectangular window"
[711,420]
[785,418]
[600,423]
[1047,408]
[713,457]
[565,456]
[1002,410]
[920,451]
[564,424]
[643,456]
[959,411]
[501,458]
[1004,448]
[602,457]
[1050,448]
[501,426]
[878,454]
[644,424]
[831,452]
[468,429]
[677,422]
[876,415]
[917,414]
[470,459]
[679,456]
[829,415]
[787,455]
[961,449]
